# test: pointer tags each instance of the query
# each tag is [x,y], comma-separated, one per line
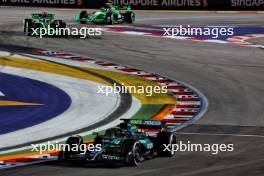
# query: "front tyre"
[83,14]
[61,155]
[71,144]
[113,19]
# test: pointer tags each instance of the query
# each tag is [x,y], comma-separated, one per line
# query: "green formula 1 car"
[41,20]
[129,143]
[107,15]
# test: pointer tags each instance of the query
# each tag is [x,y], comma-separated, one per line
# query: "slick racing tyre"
[61,155]
[83,14]
[98,140]
[129,17]
[131,151]
[28,25]
[71,144]
[58,24]
[108,20]
[111,19]
[168,139]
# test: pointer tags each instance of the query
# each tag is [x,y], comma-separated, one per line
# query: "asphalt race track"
[230,76]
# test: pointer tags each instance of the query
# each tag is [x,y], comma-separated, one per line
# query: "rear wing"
[121,7]
[150,124]
[128,8]
[39,16]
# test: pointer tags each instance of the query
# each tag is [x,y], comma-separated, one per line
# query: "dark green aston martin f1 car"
[131,142]
[107,15]
[41,20]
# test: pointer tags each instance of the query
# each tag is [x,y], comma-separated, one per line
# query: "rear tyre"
[63,24]
[83,14]
[131,151]
[28,25]
[165,138]
[59,24]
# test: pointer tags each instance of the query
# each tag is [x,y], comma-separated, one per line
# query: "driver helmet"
[103,9]
[128,127]
[44,14]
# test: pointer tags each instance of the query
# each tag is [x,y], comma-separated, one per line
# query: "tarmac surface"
[231,77]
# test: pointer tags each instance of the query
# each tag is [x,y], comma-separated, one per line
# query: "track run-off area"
[93,112]
[227,75]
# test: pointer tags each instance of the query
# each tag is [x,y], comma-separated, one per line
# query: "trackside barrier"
[146,4]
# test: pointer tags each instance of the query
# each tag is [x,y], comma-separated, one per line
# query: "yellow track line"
[16,103]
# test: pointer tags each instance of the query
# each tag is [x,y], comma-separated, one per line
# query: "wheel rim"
[132,17]
[108,19]
[172,142]
[112,19]
[26,27]
[136,154]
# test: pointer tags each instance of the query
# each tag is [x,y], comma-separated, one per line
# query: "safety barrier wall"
[146,4]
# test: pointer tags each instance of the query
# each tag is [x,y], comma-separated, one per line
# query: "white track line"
[1,94]
[80,114]
[223,134]
[261,46]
